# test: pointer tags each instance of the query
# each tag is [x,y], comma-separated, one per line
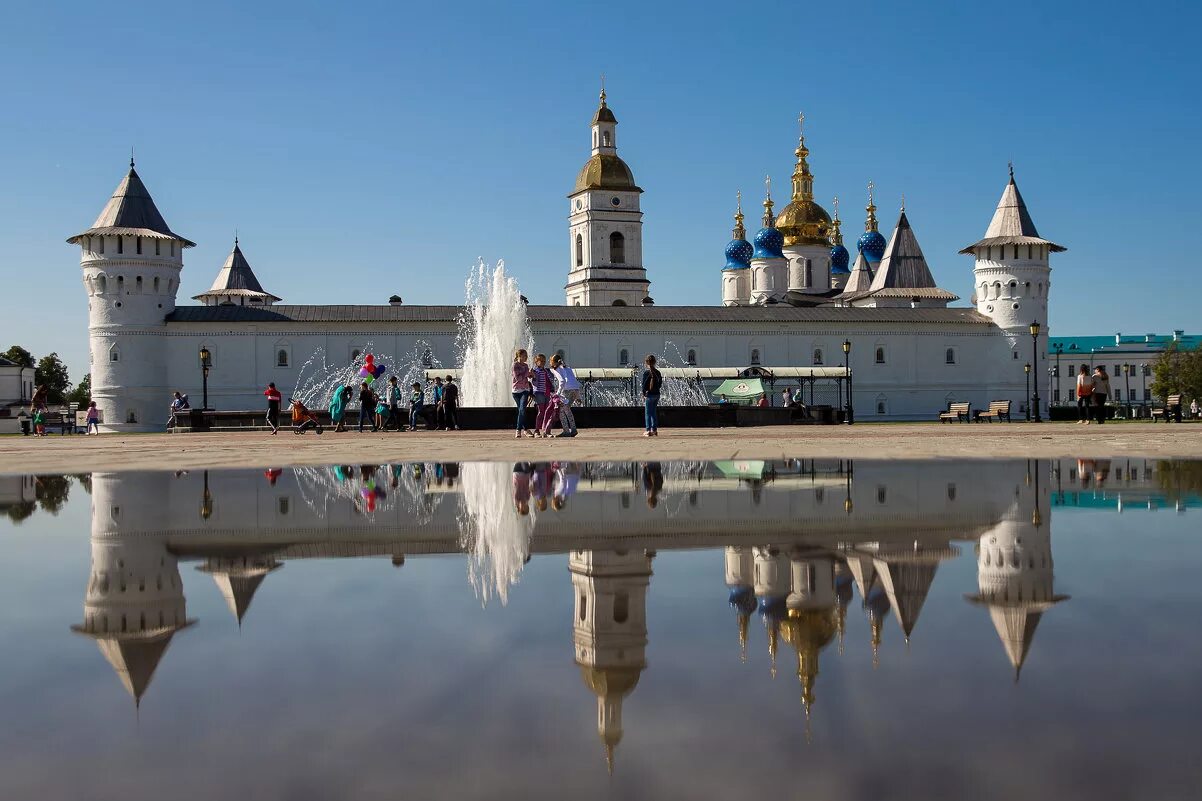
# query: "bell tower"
[131,262]
[605,225]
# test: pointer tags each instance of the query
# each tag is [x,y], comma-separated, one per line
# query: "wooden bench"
[1171,411]
[998,410]
[955,411]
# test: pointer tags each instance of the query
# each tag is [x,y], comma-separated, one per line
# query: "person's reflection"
[523,472]
[567,477]
[653,483]
[542,484]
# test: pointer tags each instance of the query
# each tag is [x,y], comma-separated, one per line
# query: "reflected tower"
[812,614]
[771,588]
[238,578]
[740,578]
[609,631]
[135,598]
[1014,570]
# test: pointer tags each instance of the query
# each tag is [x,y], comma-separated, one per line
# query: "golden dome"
[605,171]
[810,628]
[610,681]
[804,222]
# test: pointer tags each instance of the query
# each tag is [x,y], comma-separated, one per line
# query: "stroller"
[303,418]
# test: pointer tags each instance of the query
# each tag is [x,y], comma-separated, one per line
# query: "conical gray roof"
[860,280]
[236,279]
[1012,223]
[903,265]
[131,212]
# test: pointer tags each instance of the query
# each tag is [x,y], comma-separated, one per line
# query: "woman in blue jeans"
[521,389]
[652,382]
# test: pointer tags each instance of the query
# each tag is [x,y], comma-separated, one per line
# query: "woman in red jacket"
[273,407]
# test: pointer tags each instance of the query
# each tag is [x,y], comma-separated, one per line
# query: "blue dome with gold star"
[738,255]
[769,243]
[840,258]
[872,245]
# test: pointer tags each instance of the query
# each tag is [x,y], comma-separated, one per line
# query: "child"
[93,419]
[567,390]
[521,389]
[540,384]
[302,418]
[381,411]
[417,402]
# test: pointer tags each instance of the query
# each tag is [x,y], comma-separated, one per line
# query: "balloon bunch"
[370,370]
[370,493]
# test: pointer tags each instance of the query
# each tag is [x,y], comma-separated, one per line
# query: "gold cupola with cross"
[803,222]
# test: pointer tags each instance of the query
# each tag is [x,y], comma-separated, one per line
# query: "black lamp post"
[206,361]
[1027,370]
[1127,381]
[851,415]
[1034,329]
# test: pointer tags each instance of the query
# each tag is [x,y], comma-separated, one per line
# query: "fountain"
[492,325]
[494,533]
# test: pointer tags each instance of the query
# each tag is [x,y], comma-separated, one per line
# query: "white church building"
[788,298]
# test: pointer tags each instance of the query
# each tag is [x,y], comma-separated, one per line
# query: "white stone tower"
[609,630]
[1014,569]
[1012,274]
[131,263]
[135,598]
[806,227]
[736,273]
[605,226]
[769,268]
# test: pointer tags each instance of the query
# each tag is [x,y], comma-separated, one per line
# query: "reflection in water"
[800,540]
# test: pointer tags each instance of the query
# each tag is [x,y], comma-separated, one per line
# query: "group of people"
[39,409]
[1092,394]
[391,410]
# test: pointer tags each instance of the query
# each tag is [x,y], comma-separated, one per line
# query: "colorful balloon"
[364,372]
[369,380]
[379,370]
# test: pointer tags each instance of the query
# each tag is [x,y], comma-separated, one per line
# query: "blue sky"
[384,149]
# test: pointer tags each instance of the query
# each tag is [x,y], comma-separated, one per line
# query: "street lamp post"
[1027,370]
[1034,329]
[851,415]
[1127,381]
[206,361]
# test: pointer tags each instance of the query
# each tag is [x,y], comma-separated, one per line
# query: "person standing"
[392,396]
[1084,395]
[338,406]
[540,383]
[1193,408]
[567,391]
[273,407]
[93,418]
[652,383]
[367,406]
[417,402]
[439,417]
[521,389]
[1101,391]
[450,404]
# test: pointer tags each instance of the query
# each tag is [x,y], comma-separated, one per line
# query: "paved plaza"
[77,454]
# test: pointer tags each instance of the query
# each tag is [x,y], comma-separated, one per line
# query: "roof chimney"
[395,300]
[1178,334]
[1118,339]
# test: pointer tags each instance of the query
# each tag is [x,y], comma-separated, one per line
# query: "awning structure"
[582,373]
[743,468]
[740,388]
[764,372]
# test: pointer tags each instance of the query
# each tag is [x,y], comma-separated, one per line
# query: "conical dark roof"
[236,278]
[903,265]
[131,211]
[1012,223]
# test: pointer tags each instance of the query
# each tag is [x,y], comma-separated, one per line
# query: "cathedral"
[790,298]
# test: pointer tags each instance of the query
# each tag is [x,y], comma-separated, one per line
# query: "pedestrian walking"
[521,390]
[367,406]
[417,402]
[567,392]
[540,384]
[450,404]
[93,419]
[273,407]
[1101,391]
[652,383]
[1084,395]
[338,406]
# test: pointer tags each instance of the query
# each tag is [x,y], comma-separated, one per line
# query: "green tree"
[18,510]
[18,355]
[51,492]
[51,373]
[81,393]
[1177,371]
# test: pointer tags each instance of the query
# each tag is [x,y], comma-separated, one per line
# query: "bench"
[1171,411]
[955,411]
[998,410]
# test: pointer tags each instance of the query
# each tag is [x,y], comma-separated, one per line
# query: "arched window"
[120,244]
[617,248]
[951,492]
[101,238]
[619,302]
[138,245]
[880,355]
[101,283]
[138,285]
[173,247]
[807,279]
[605,138]
[583,607]
[121,285]
[156,285]
[579,250]
[621,607]
[623,357]
[881,493]
[949,356]
[281,358]
[114,355]
[755,355]
[818,356]
[157,244]
[691,358]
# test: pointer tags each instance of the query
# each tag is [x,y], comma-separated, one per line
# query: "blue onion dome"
[738,250]
[840,258]
[872,245]
[769,242]
[742,599]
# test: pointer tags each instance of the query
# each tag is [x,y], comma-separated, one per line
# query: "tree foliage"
[51,373]
[19,355]
[51,492]
[1177,371]
[81,393]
